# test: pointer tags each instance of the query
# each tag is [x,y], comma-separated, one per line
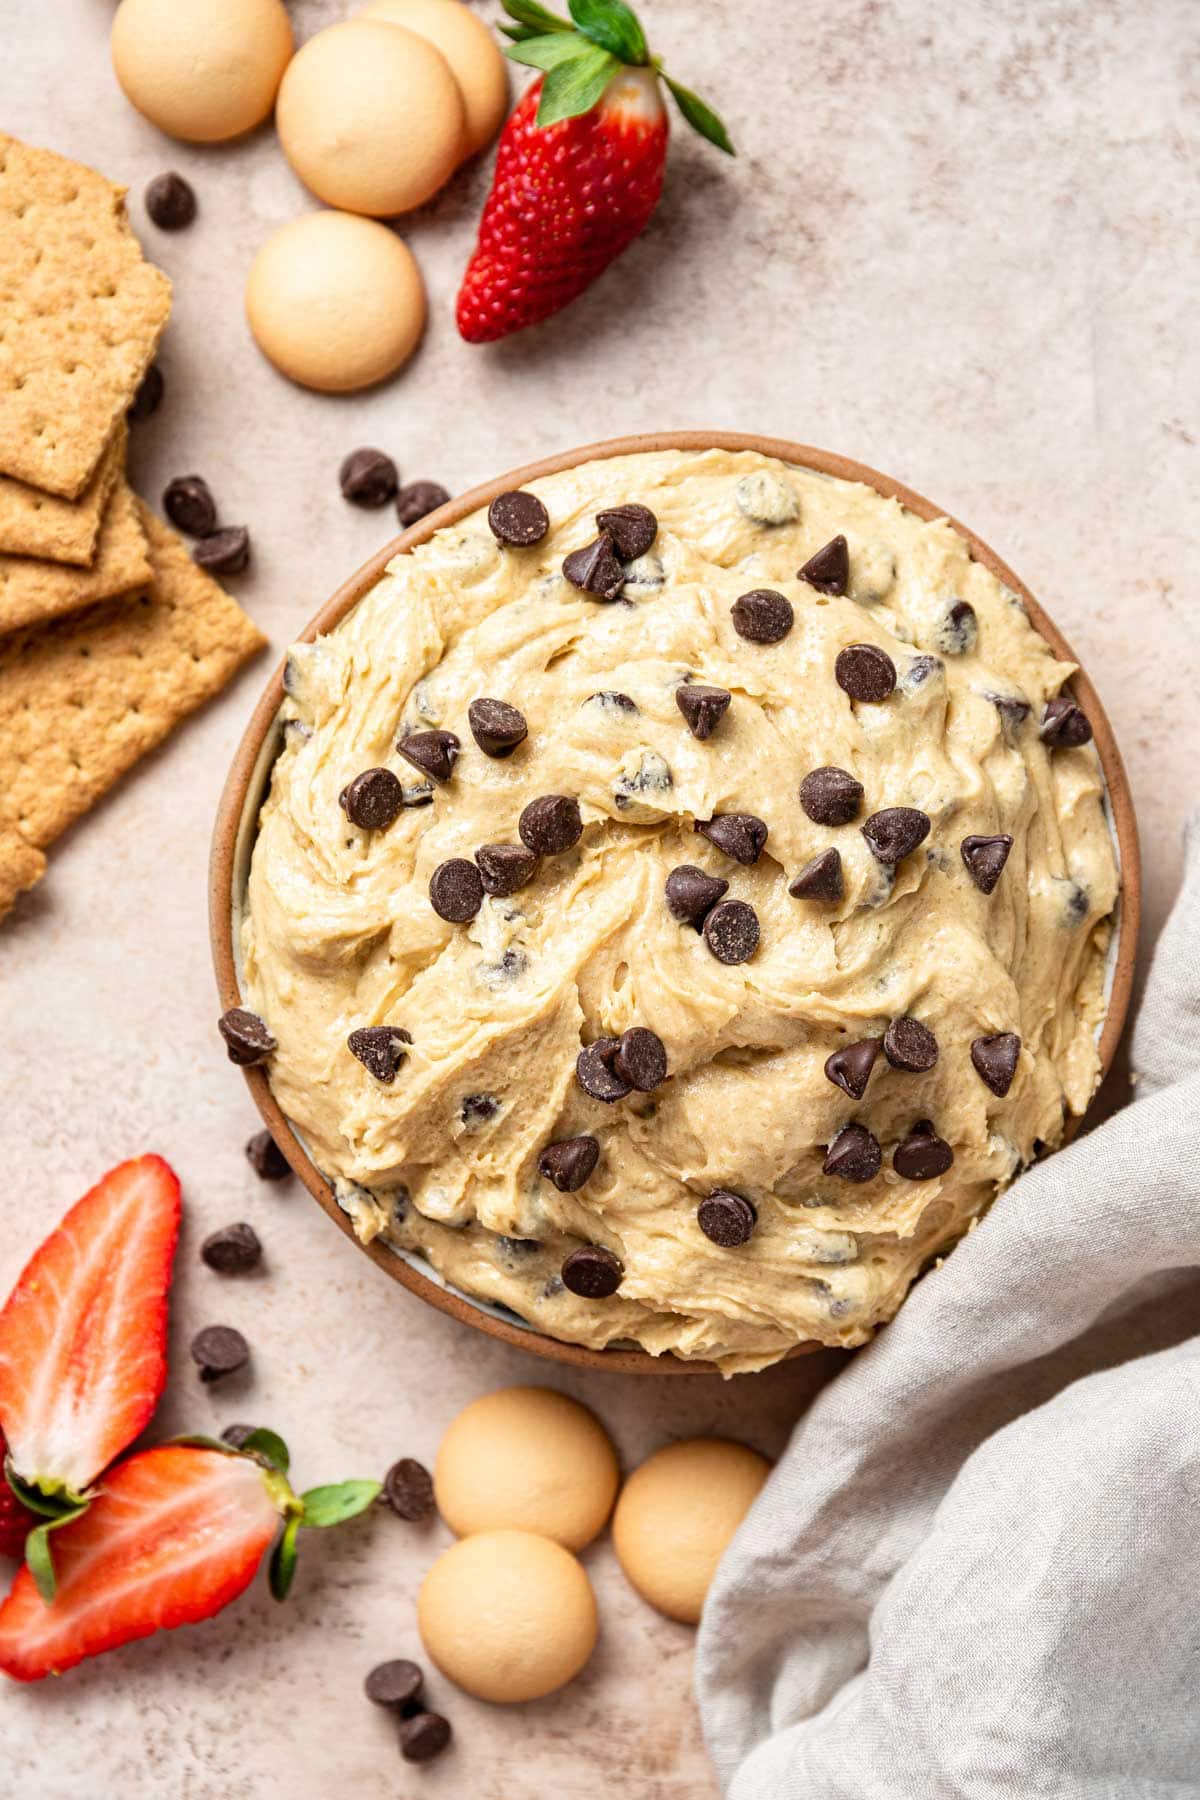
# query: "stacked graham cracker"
[109,633]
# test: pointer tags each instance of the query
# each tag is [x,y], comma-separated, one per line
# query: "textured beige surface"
[960,244]
[33,592]
[83,312]
[64,531]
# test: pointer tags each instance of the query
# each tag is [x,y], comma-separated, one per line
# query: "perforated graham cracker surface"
[82,699]
[32,591]
[46,525]
[82,313]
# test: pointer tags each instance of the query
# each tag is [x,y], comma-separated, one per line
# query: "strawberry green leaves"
[614,27]
[319,1508]
[700,116]
[282,1570]
[52,1511]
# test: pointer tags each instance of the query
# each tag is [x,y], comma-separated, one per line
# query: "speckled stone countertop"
[959,244]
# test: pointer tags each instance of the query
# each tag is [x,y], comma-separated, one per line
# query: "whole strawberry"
[580,164]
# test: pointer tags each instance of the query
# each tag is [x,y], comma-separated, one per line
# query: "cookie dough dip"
[681,903]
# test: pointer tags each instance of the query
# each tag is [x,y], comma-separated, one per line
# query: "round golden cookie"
[336,302]
[202,70]
[370,117]
[676,1515]
[475,58]
[507,1615]
[529,1459]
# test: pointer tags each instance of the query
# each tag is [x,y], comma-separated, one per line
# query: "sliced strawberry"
[16,1521]
[174,1535]
[83,1336]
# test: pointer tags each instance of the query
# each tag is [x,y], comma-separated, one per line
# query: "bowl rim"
[250,766]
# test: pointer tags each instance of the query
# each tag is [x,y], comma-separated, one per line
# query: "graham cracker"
[82,312]
[46,525]
[31,592]
[20,864]
[83,698]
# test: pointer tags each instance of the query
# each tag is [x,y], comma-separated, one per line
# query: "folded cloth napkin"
[975,1572]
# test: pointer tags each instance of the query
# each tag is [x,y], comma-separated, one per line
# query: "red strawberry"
[579,168]
[174,1535]
[16,1520]
[83,1336]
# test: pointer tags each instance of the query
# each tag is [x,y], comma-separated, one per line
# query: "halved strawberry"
[16,1521]
[83,1335]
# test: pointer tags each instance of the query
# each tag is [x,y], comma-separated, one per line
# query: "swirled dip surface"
[340,933]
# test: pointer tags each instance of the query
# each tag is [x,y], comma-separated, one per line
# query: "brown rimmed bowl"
[249,776]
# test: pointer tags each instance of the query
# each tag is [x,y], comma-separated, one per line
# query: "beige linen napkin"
[975,1573]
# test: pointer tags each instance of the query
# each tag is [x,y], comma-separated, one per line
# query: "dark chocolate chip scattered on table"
[368,478]
[909,1045]
[731,931]
[569,1162]
[456,890]
[726,1219]
[820,879]
[592,1272]
[923,1155]
[417,499]
[550,824]
[641,1059]
[702,707]
[854,1154]
[1065,723]
[149,396]
[170,201]
[596,1071]
[234,1250]
[237,1434]
[225,552]
[850,1067]
[433,752]
[219,1350]
[995,1059]
[596,569]
[424,1736]
[408,1490]
[246,1036]
[396,1684]
[188,503]
[895,832]
[380,1049]
[504,868]
[831,796]
[739,835]
[266,1158]
[496,726]
[373,800]
[632,528]
[865,672]
[828,569]
[763,616]
[692,894]
[985,858]
[518,519]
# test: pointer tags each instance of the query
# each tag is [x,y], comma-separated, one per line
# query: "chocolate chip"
[504,868]
[246,1036]
[850,1067]
[731,931]
[550,825]
[1064,723]
[651,776]
[596,1072]
[726,1219]
[423,1737]
[233,1250]
[831,796]
[170,202]
[456,890]
[923,1155]
[691,894]
[496,726]
[592,1272]
[895,832]
[224,552]
[188,503]
[266,1158]
[368,478]
[518,519]
[854,1155]
[1013,711]
[908,1044]
[820,878]
[408,1490]
[762,616]
[380,1049]
[702,707]
[919,671]
[477,1109]
[219,1350]
[373,800]
[395,1684]
[865,672]
[595,569]
[632,528]
[433,752]
[829,569]
[739,835]
[237,1434]
[569,1162]
[960,629]
[417,498]
[641,1059]
[985,858]
[610,701]
[995,1059]
[148,399]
